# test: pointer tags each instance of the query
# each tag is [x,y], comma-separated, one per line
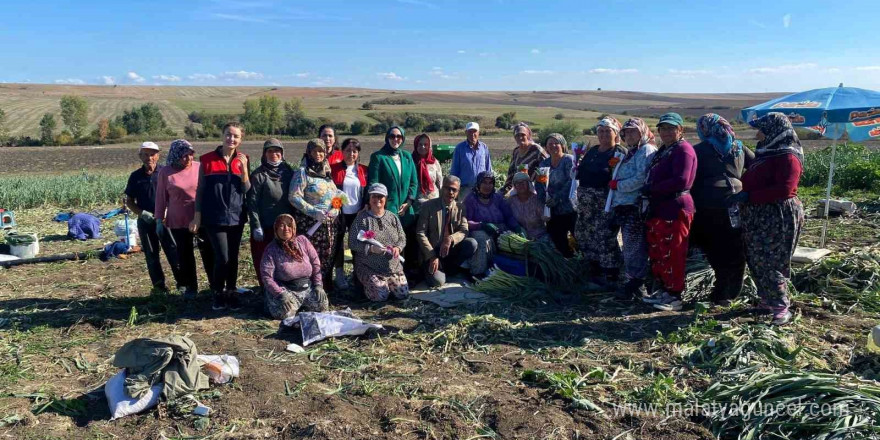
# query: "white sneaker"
[668,303]
[654,297]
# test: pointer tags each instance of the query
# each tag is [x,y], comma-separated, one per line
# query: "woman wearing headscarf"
[554,193]
[378,268]
[268,198]
[351,178]
[671,211]
[627,187]
[311,194]
[221,210]
[527,209]
[291,273]
[526,155]
[328,134]
[428,168]
[488,215]
[175,207]
[596,232]
[721,159]
[772,214]
[393,167]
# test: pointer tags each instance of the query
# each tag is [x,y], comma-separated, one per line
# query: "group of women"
[740,207]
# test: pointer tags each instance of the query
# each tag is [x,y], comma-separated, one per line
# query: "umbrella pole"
[828,193]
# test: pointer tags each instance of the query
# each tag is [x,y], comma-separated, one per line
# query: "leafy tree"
[367,106]
[146,119]
[506,120]
[103,130]
[559,116]
[75,114]
[270,110]
[340,127]
[64,138]
[359,127]
[295,121]
[567,129]
[415,122]
[116,131]
[47,128]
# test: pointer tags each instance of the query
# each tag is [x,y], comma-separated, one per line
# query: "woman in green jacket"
[394,167]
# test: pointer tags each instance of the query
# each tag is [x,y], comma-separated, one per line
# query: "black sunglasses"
[395,136]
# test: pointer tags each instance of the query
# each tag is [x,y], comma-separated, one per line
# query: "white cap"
[472,126]
[149,146]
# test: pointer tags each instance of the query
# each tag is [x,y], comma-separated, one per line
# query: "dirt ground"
[433,373]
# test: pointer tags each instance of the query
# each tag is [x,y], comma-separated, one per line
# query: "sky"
[680,46]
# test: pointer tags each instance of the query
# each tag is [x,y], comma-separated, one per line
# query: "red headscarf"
[426,185]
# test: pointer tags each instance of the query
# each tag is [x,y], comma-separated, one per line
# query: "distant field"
[25,104]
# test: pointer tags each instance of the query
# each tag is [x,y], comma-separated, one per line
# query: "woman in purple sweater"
[671,210]
[488,215]
[291,273]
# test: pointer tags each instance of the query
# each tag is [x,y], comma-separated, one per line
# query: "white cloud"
[242,74]
[133,76]
[537,72]
[602,70]
[202,77]
[689,73]
[390,76]
[71,81]
[868,68]
[439,73]
[785,68]
[535,51]
[301,75]
[786,20]
[241,18]
[461,51]
[418,3]
[836,70]
[108,80]
[167,78]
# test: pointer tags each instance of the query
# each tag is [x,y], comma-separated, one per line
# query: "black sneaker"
[232,300]
[218,301]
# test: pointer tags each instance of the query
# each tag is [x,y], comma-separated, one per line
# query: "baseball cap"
[472,126]
[671,118]
[378,188]
[149,146]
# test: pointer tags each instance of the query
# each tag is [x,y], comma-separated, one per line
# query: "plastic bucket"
[26,250]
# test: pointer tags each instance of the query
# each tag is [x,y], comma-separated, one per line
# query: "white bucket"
[119,230]
[27,250]
[132,239]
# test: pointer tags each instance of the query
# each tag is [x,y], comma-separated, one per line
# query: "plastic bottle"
[733,213]
[874,340]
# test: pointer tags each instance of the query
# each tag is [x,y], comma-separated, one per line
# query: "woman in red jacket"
[772,215]
[328,134]
[350,177]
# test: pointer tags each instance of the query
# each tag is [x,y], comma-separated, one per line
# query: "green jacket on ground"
[172,361]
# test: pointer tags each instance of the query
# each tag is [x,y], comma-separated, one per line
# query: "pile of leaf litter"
[843,281]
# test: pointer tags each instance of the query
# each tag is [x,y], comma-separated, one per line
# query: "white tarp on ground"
[321,325]
[454,293]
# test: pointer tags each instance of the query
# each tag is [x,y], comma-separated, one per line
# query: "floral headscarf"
[321,169]
[288,246]
[714,129]
[610,122]
[522,126]
[779,137]
[522,177]
[179,148]
[640,125]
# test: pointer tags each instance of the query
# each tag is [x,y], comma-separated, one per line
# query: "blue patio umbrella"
[831,112]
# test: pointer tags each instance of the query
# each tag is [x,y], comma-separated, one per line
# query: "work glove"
[147,217]
[257,234]
[740,197]
[491,228]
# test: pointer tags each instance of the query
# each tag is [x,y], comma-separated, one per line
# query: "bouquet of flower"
[542,176]
[339,200]
[614,165]
[523,168]
[369,237]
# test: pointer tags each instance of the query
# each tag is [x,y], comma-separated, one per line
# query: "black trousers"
[226,242]
[151,243]
[724,248]
[558,227]
[184,242]
[458,254]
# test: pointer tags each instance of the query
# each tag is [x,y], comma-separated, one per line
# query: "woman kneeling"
[291,273]
[378,267]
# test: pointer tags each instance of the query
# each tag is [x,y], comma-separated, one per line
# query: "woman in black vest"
[721,159]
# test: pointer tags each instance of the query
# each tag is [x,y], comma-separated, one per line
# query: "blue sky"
[691,46]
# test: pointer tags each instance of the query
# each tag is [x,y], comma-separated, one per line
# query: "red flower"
[369,235]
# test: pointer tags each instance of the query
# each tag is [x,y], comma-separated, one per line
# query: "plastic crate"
[443,152]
